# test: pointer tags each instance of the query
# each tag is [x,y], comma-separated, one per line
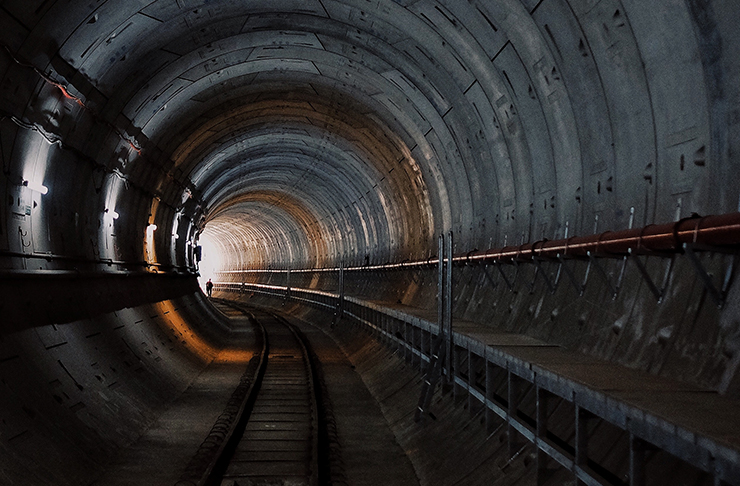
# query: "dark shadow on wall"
[32,300]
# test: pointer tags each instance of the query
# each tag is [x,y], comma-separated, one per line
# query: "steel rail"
[212,458]
[215,470]
[230,433]
[710,452]
[316,477]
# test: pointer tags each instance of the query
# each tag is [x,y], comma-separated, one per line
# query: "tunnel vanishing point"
[509,229]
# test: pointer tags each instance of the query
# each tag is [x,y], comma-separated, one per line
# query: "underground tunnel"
[486,241]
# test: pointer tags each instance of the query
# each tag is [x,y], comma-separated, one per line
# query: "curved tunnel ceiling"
[313,131]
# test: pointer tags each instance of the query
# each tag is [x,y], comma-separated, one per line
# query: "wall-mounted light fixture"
[111,213]
[35,186]
[151,228]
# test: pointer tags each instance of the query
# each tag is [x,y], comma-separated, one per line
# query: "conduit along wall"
[550,289]
[592,419]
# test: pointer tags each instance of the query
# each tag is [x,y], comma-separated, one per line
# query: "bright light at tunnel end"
[211,260]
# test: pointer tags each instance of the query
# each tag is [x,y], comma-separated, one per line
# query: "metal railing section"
[688,236]
[495,383]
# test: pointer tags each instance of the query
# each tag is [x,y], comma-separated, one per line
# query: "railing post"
[474,405]
[340,300]
[637,461]
[491,417]
[541,434]
[287,285]
[448,307]
[417,343]
[407,337]
[458,356]
[341,280]
[581,457]
[513,399]
[441,290]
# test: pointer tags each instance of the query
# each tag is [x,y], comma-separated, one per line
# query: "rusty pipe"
[707,232]
[719,231]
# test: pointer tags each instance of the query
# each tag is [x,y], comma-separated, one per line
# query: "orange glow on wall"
[202,349]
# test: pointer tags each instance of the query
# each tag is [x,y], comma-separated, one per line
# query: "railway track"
[272,431]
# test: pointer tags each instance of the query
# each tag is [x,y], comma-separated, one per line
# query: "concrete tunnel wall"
[301,134]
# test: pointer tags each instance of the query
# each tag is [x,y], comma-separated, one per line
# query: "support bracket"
[659,293]
[506,279]
[595,262]
[717,294]
[540,271]
[493,283]
[564,266]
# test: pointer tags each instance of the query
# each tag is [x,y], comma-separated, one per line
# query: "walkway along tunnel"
[307,157]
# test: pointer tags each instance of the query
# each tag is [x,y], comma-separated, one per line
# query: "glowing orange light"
[67,95]
[205,351]
[136,149]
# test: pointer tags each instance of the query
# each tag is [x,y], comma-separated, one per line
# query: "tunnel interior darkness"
[351,132]
[318,133]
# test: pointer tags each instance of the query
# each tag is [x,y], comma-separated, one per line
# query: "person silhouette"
[209,287]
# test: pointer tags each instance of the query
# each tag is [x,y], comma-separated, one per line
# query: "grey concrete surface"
[369,451]
[454,448]
[136,136]
[161,454]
